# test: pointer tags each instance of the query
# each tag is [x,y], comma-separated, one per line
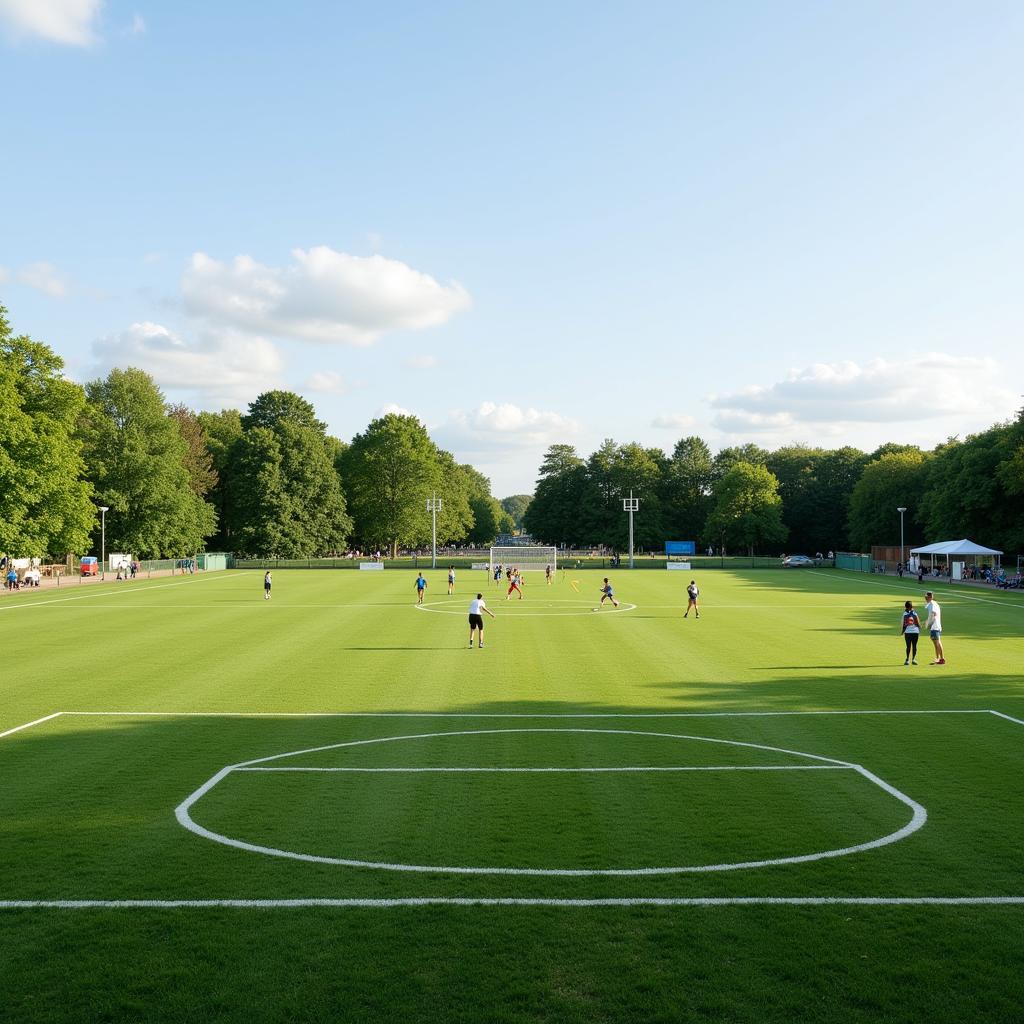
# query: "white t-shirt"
[934,615]
[693,591]
[476,606]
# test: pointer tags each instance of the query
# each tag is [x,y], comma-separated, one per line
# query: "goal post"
[527,557]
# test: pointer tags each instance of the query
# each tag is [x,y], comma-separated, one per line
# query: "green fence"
[857,562]
[565,562]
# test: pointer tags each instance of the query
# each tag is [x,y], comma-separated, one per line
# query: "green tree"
[748,510]
[896,479]
[390,470]
[553,515]
[136,459]
[488,515]
[44,502]
[286,497]
[687,489]
[728,457]
[222,430]
[516,505]
[198,460]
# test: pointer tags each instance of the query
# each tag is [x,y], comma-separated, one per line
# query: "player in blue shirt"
[421,586]
[607,594]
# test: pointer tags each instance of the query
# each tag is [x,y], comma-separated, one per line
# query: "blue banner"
[680,547]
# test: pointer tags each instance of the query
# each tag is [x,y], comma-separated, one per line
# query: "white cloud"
[326,381]
[45,277]
[493,427]
[393,408]
[224,369]
[673,421]
[72,22]
[423,362]
[324,296]
[830,397]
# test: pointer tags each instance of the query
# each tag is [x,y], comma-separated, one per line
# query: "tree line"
[751,500]
[267,482]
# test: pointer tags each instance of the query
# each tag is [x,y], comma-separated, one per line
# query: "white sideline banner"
[678,565]
[371,565]
[481,565]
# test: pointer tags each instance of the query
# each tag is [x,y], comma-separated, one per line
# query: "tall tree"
[136,458]
[390,470]
[553,515]
[516,505]
[223,430]
[898,478]
[748,509]
[202,476]
[44,502]
[687,489]
[286,497]
[488,515]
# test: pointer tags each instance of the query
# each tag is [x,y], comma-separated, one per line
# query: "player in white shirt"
[692,593]
[477,609]
[934,626]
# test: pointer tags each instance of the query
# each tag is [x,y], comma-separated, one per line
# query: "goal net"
[528,557]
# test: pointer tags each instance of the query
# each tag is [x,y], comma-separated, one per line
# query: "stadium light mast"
[630,505]
[433,507]
[104,509]
[901,510]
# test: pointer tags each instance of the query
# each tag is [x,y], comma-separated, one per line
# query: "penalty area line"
[524,901]
[28,725]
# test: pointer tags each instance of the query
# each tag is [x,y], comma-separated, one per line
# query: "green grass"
[203,674]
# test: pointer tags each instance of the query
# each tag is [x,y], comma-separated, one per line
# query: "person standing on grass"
[911,631]
[547,574]
[477,609]
[692,593]
[451,580]
[934,626]
[607,594]
[267,584]
[421,586]
[515,583]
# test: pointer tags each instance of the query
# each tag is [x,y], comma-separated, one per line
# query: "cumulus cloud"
[222,369]
[324,296]
[673,421]
[327,382]
[492,426]
[830,396]
[72,22]
[45,277]
[392,407]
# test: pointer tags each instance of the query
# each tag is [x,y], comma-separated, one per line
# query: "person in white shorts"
[934,626]
[692,593]
[477,609]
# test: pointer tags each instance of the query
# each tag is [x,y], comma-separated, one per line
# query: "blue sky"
[529,223]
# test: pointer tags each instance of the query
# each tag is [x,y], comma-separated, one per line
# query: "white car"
[798,562]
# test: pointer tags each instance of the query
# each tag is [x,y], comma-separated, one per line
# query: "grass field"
[327,807]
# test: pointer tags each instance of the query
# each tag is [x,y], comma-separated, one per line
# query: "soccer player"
[476,619]
[267,584]
[421,586]
[911,631]
[934,626]
[497,575]
[692,593]
[607,594]
[451,580]
[547,574]
[515,582]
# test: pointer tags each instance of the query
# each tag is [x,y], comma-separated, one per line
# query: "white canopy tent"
[958,549]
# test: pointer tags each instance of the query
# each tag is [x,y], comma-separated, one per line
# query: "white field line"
[122,590]
[947,589]
[628,768]
[1009,718]
[510,714]
[28,725]
[182,813]
[526,901]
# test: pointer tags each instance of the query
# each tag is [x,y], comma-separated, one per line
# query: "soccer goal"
[528,557]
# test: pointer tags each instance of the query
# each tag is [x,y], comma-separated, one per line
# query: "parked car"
[798,562]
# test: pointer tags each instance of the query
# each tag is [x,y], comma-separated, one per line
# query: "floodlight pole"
[901,510]
[104,509]
[433,507]
[630,505]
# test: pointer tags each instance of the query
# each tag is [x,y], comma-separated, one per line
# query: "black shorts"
[476,622]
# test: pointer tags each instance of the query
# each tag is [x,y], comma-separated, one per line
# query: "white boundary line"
[524,901]
[918,816]
[570,771]
[122,590]
[28,725]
